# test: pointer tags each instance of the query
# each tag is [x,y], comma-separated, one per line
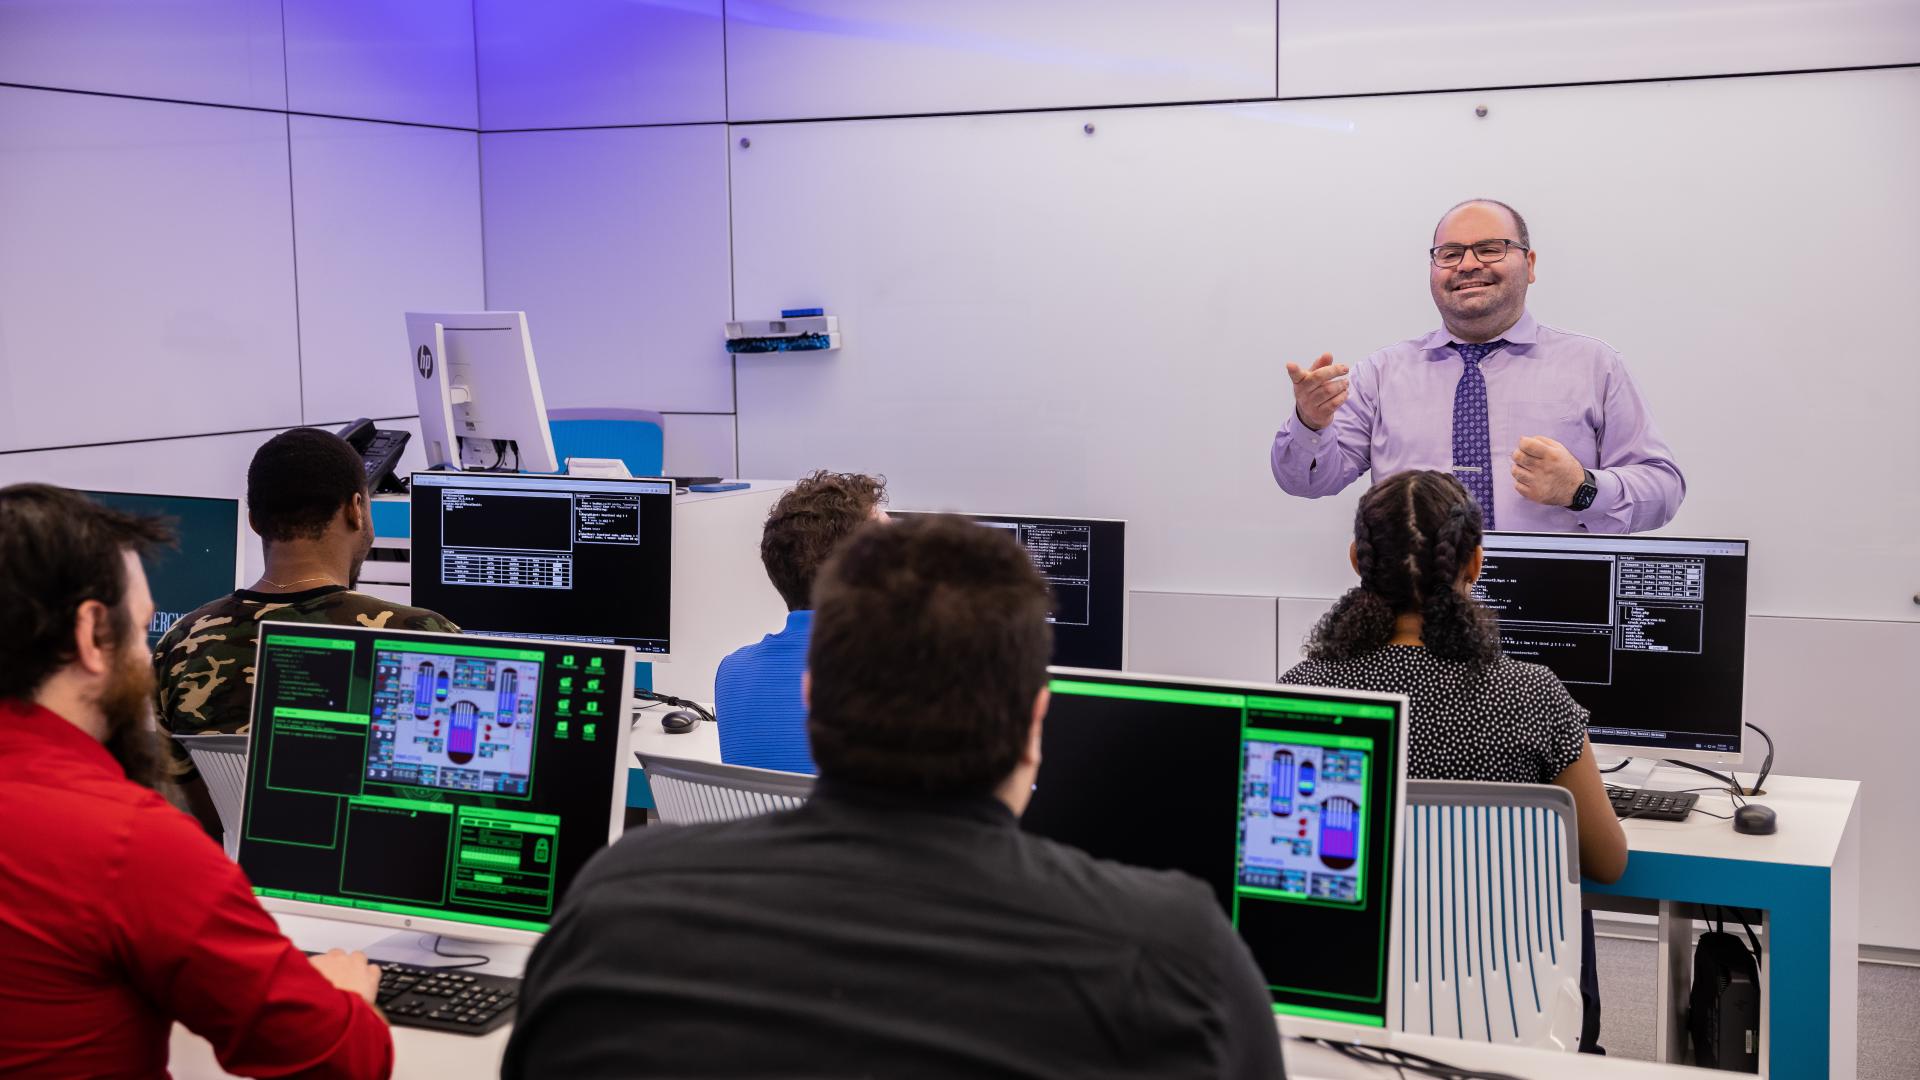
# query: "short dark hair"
[807,523]
[299,480]
[58,550]
[1412,535]
[1519,223]
[929,644]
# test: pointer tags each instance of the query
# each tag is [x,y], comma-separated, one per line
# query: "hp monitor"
[208,562]
[566,558]
[1085,563]
[431,781]
[1285,801]
[1648,632]
[479,392]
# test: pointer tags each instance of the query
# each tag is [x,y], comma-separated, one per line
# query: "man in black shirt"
[900,924]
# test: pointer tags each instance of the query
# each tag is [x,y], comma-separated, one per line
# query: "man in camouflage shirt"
[307,498]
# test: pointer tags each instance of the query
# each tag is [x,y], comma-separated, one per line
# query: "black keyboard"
[445,999]
[1651,805]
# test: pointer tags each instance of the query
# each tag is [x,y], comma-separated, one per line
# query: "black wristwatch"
[1583,496]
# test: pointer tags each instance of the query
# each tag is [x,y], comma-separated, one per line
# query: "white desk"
[1805,878]
[1307,1061]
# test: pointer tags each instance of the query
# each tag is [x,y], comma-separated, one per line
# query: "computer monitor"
[1085,563]
[208,563]
[1139,768]
[478,392]
[566,558]
[1648,632]
[431,781]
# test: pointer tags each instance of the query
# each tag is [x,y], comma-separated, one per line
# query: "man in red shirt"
[118,916]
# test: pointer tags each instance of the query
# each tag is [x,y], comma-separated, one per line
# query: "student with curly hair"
[1413,627]
[756,693]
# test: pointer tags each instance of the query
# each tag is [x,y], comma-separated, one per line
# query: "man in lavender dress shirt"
[1492,383]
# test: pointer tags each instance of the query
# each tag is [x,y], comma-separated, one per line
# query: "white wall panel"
[700,444]
[385,61]
[146,270]
[210,466]
[1331,47]
[615,244]
[1098,324]
[1298,616]
[226,52]
[808,58]
[599,62]
[1204,636]
[387,220]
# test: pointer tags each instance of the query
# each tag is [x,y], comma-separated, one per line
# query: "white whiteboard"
[1041,320]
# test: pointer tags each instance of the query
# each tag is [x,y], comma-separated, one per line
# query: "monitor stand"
[1636,774]
[415,947]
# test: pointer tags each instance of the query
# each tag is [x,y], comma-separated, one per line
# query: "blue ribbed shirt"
[756,699]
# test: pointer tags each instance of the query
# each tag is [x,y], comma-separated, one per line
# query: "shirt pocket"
[1564,422]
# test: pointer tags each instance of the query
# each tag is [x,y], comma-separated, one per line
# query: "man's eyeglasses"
[1447,256]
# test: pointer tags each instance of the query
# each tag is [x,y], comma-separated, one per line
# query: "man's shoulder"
[1577,343]
[350,608]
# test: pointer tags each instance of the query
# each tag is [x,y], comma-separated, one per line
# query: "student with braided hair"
[1413,627]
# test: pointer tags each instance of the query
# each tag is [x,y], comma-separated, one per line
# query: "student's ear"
[1470,573]
[1353,555]
[1040,703]
[357,512]
[806,690]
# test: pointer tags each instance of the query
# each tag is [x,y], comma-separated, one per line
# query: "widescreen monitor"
[1285,801]
[1648,632]
[431,782]
[478,391]
[561,557]
[1085,563]
[205,566]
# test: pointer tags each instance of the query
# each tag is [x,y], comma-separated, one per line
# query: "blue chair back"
[635,436]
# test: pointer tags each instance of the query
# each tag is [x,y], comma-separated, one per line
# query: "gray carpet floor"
[1889,1010]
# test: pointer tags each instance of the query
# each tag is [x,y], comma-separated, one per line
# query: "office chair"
[691,792]
[222,764]
[1490,913]
[635,436]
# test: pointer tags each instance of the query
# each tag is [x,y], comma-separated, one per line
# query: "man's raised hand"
[1318,390]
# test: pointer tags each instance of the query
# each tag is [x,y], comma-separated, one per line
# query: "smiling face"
[1479,301]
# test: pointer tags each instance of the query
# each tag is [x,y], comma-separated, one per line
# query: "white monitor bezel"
[1334,1028]
[454,928]
[436,479]
[1126,566]
[433,396]
[1730,759]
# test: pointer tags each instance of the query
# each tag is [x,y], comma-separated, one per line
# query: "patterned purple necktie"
[1472,447]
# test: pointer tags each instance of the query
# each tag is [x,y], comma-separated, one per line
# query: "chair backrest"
[690,792]
[222,764]
[1490,913]
[635,436]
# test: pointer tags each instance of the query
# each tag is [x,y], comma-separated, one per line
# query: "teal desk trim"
[392,519]
[1798,971]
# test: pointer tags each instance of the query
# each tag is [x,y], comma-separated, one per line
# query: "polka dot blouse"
[1512,722]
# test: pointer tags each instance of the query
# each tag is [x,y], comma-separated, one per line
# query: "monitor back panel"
[560,557]
[1284,801]
[431,776]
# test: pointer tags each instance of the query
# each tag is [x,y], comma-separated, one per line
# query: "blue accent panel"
[1799,900]
[392,519]
[801,312]
[640,444]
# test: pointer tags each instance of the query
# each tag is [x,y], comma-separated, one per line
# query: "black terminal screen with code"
[410,775]
[1084,561]
[1284,801]
[1648,632]
[561,557]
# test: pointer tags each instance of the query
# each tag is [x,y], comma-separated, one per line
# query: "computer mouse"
[680,721]
[1753,818]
